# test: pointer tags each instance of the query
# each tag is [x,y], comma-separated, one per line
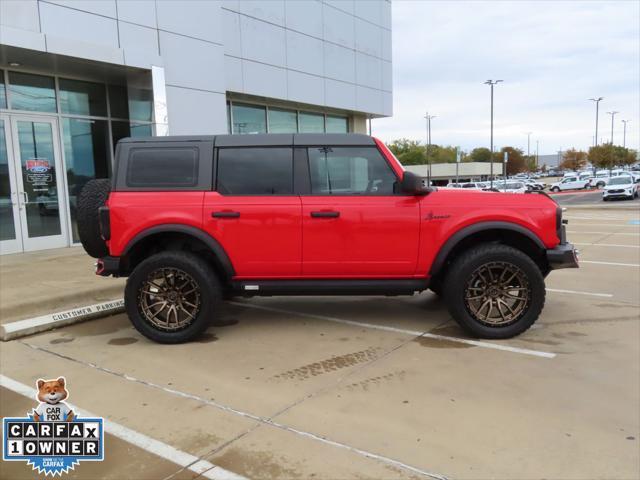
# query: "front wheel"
[171,297]
[494,291]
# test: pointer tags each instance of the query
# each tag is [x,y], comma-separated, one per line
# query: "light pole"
[528,143]
[428,126]
[597,100]
[537,156]
[491,83]
[613,114]
[624,133]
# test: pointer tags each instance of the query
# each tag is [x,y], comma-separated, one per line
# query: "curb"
[30,326]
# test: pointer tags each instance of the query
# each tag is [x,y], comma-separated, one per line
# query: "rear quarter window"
[163,167]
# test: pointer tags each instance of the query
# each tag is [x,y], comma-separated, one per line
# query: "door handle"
[325,214]
[225,214]
[25,198]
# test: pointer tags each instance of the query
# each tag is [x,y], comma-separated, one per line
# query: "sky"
[552,57]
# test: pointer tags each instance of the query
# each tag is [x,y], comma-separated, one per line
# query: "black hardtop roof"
[265,139]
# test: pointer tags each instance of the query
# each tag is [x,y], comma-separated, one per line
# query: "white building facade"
[78,75]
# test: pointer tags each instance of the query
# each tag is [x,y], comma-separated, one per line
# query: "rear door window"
[255,171]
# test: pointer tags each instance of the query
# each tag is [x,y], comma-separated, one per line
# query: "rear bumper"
[107,266]
[562,256]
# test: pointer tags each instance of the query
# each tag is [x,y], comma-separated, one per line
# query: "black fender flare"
[223,260]
[463,233]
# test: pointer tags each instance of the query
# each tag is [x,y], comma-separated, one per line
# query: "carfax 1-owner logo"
[52,438]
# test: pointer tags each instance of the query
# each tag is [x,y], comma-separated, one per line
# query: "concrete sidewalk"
[48,281]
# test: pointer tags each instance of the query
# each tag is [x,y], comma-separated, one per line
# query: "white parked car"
[622,186]
[510,186]
[570,183]
[536,186]
[475,185]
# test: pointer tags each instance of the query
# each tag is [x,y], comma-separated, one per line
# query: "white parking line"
[162,450]
[618,264]
[603,224]
[575,292]
[606,245]
[226,408]
[598,217]
[416,333]
[605,233]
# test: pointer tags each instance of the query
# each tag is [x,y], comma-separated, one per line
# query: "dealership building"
[78,75]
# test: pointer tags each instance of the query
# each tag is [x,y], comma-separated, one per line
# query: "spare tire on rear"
[93,196]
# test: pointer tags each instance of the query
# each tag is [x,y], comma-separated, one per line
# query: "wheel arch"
[177,237]
[485,232]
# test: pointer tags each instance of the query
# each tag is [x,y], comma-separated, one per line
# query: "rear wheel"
[172,297]
[555,189]
[494,291]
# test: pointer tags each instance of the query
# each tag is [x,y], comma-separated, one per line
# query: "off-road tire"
[461,270]
[210,295]
[92,196]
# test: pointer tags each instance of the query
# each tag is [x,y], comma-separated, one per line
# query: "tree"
[516,161]
[573,159]
[625,156]
[480,154]
[408,152]
[603,156]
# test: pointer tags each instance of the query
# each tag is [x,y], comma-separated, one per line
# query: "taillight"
[105,223]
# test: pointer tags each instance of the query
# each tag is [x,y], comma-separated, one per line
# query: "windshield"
[622,180]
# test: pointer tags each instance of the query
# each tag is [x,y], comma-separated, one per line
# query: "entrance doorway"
[32,211]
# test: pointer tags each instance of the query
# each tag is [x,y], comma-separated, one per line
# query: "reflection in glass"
[7,227]
[83,98]
[249,119]
[85,152]
[130,102]
[32,92]
[37,161]
[121,130]
[3,93]
[282,121]
[311,122]
[336,124]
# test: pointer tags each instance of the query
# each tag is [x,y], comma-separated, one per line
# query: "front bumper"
[107,266]
[562,256]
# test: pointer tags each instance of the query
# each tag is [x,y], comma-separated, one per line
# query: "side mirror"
[412,184]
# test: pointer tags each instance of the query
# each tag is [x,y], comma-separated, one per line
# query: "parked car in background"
[510,186]
[476,185]
[535,186]
[453,185]
[570,183]
[621,186]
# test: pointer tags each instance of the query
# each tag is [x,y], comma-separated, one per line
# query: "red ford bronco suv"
[193,220]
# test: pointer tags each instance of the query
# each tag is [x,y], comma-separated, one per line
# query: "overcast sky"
[552,56]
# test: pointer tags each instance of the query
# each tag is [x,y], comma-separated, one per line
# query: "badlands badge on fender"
[52,438]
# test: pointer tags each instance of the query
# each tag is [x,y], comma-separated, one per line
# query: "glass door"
[10,237]
[36,153]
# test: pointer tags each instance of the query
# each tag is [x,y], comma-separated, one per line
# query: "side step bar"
[403,286]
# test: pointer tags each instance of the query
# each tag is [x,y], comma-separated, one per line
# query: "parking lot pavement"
[360,387]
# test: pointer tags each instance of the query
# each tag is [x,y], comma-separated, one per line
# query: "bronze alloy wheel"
[169,299]
[497,294]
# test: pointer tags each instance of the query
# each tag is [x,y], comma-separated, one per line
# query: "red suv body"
[313,214]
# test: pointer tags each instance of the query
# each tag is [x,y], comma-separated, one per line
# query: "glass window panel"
[229,118]
[132,103]
[337,124]
[255,171]
[311,122]
[32,92]
[249,119]
[163,167]
[82,98]
[3,93]
[86,153]
[121,130]
[282,121]
[350,171]
[38,167]
[7,227]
